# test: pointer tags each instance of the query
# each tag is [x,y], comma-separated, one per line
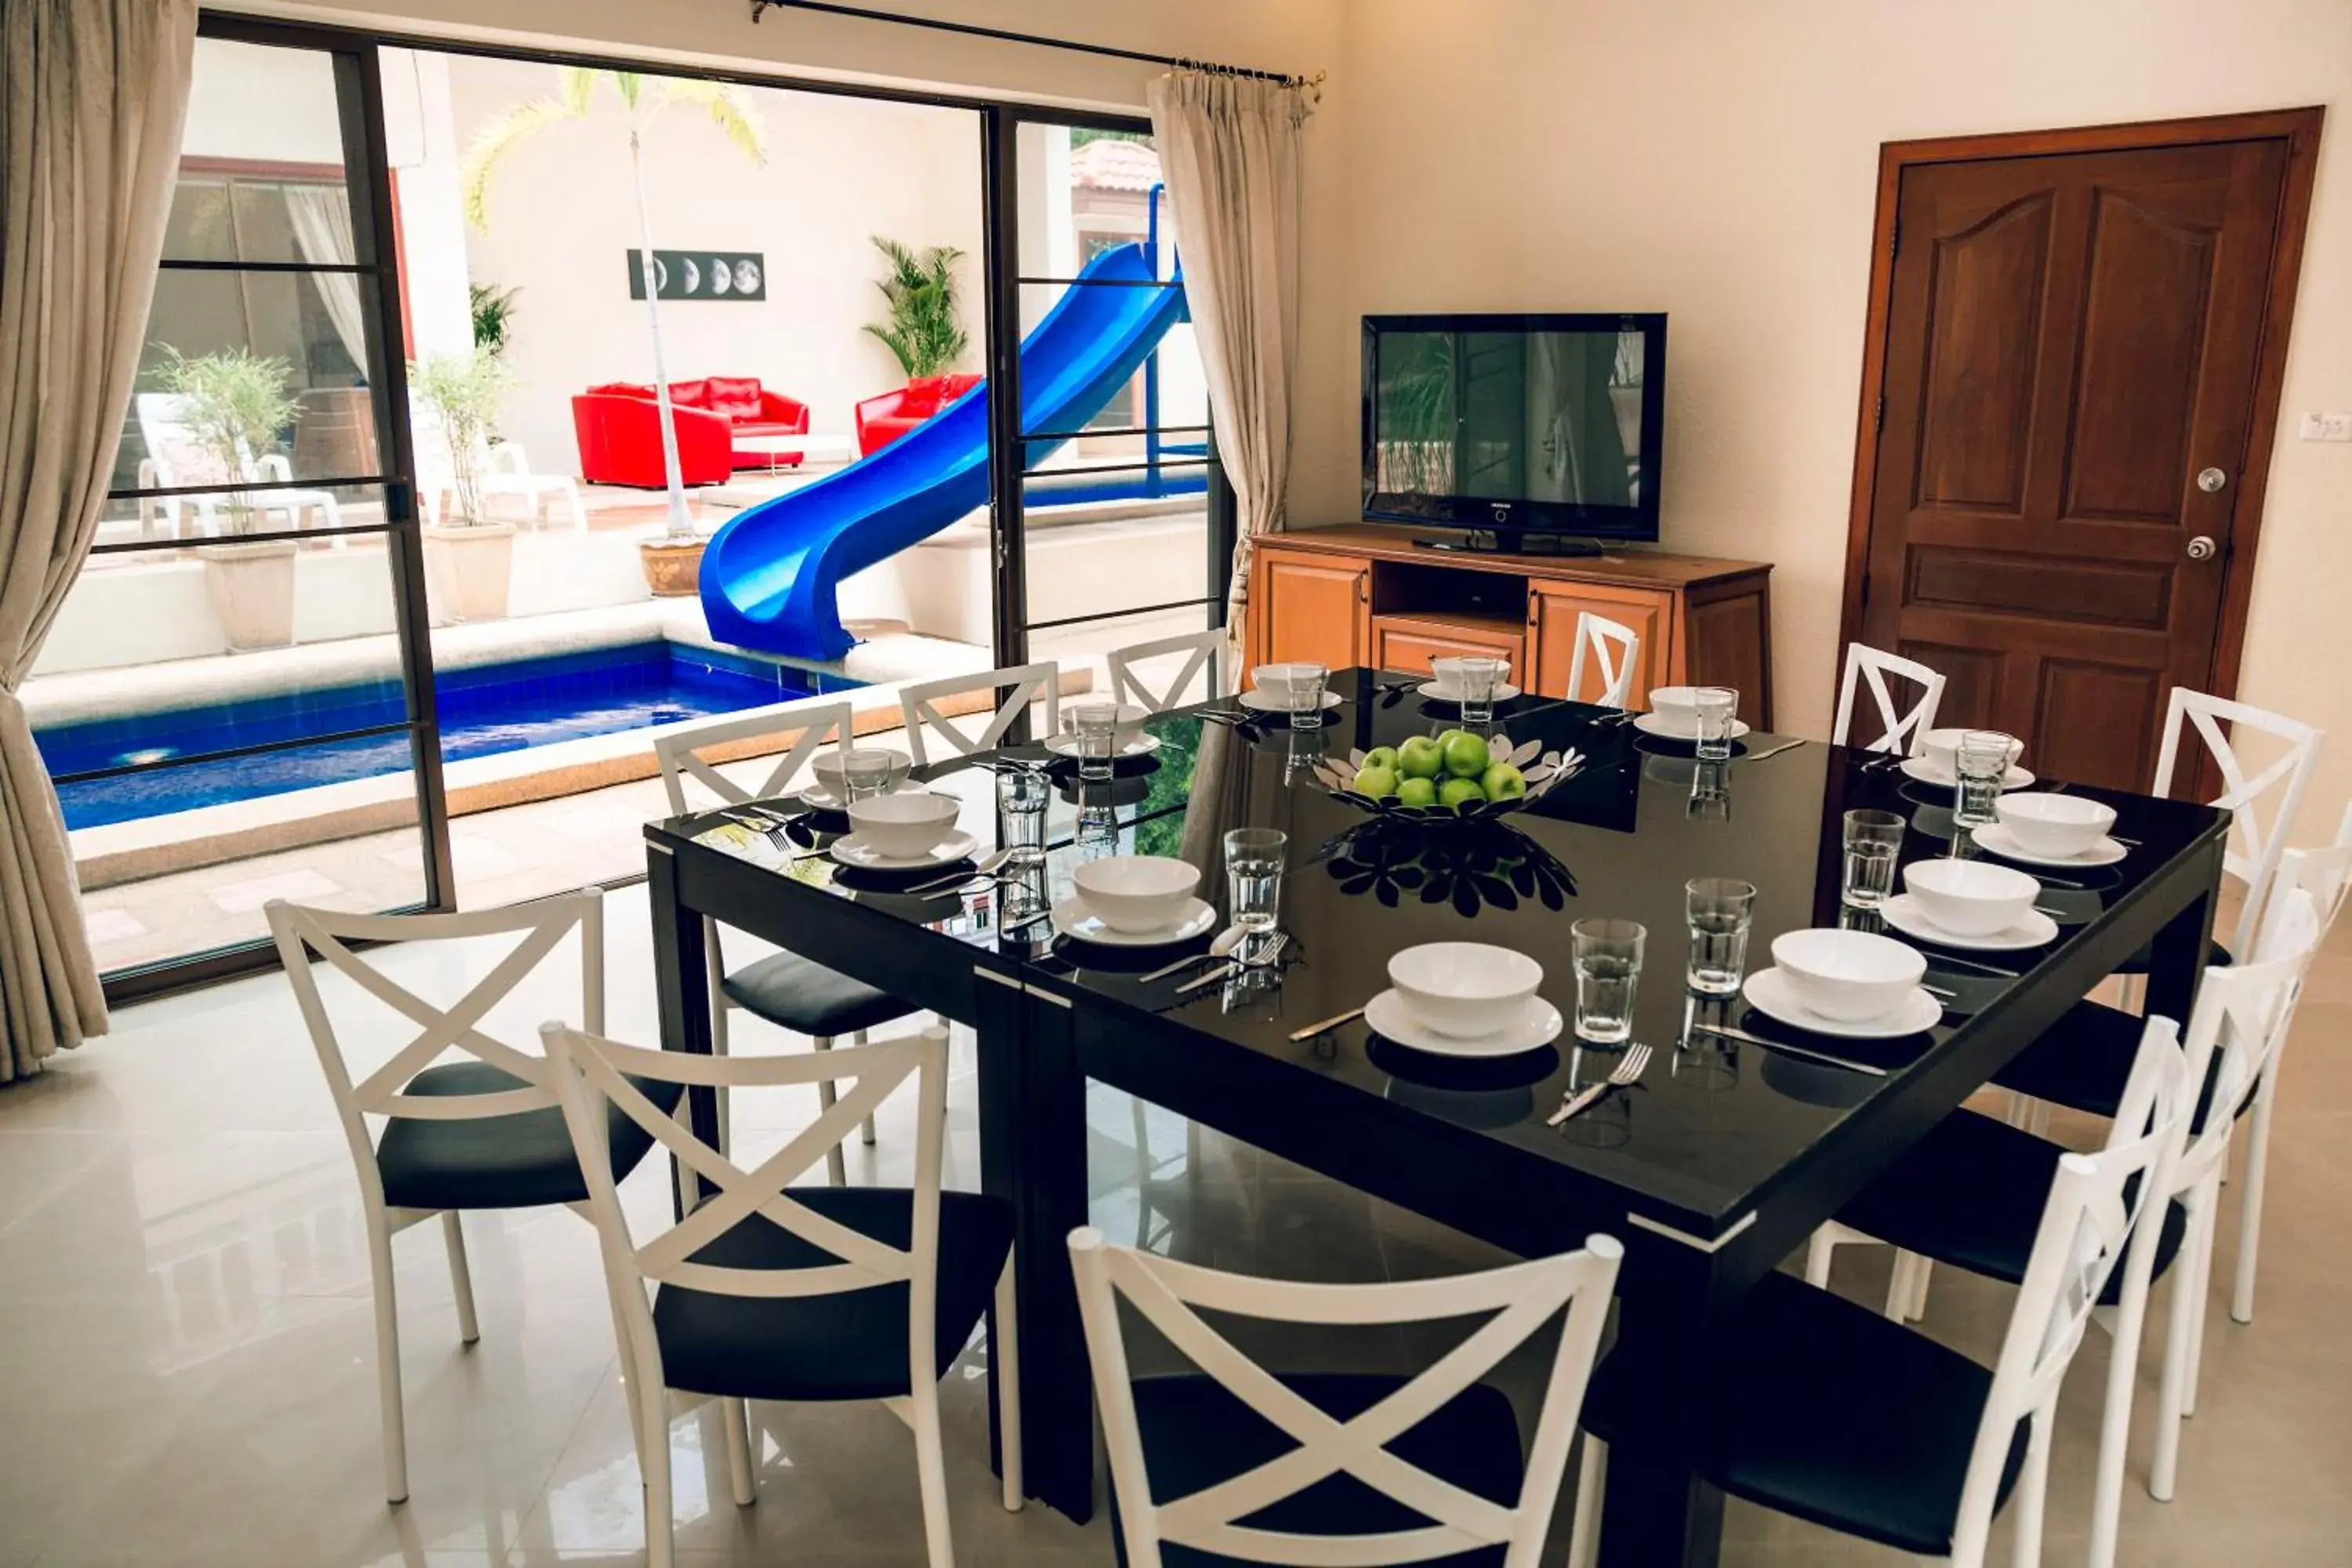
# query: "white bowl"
[1970,898]
[1445,674]
[1677,707]
[827,766]
[1941,748]
[1852,976]
[1289,683]
[1463,989]
[904,825]
[1135,892]
[2055,823]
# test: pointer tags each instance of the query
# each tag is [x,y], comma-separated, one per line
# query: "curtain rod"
[760,9]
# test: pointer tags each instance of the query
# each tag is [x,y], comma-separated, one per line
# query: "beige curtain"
[92,94]
[1230,149]
[321,219]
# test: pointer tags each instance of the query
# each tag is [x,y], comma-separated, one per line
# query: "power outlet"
[2328,427]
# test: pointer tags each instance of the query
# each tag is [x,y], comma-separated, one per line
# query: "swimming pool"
[483,710]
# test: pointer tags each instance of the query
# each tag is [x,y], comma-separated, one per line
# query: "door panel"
[1315,609]
[2071,341]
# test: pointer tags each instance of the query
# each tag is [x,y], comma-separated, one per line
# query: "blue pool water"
[484,709]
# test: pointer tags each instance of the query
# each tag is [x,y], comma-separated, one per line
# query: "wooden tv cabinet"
[1365,594]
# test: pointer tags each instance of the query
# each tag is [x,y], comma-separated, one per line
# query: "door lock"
[2202,548]
[2211,480]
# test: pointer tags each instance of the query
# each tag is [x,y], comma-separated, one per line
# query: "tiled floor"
[187,1371]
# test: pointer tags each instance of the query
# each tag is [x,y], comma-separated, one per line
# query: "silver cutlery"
[1630,1067]
[1772,751]
[1261,959]
[1021,925]
[1227,939]
[1938,991]
[980,868]
[1333,1022]
[1786,1049]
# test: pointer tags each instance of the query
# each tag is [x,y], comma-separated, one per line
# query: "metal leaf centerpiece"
[1541,770]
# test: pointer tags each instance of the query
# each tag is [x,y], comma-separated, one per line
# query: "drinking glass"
[1710,795]
[1716,706]
[1981,760]
[1096,724]
[1721,909]
[1022,795]
[1254,859]
[865,774]
[1479,675]
[1305,696]
[1608,957]
[1873,840]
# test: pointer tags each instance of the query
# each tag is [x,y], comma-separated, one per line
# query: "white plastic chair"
[2261,807]
[1031,683]
[766,1229]
[1615,650]
[410,1089]
[1203,651]
[1899,732]
[1521,1298]
[163,430]
[2098,1205]
[500,468]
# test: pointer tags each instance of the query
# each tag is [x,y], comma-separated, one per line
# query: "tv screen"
[1514,424]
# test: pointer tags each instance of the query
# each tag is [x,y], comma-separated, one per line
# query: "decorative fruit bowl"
[1466,779]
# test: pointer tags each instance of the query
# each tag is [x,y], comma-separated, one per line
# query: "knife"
[1772,751]
[1872,1068]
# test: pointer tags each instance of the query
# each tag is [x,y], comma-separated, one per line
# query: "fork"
[1264,958]
[1630,1067]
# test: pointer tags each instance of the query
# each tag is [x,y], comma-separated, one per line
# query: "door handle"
[2202,548]
[2211,480]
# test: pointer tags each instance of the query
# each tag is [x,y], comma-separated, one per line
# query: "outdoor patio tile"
[246,896]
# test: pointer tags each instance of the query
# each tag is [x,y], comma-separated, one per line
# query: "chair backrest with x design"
[1616,652]
[2262,806]
[679,752]
[1202,651]
[2241,1016]
[1030,683]
[543,925]
[593,1072]
[1869,667]
[1521,1298]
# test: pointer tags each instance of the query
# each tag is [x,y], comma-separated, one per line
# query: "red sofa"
[618,426]
[882,420]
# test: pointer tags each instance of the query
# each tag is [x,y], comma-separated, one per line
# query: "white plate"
[1903,912]
[816,797]
[1067,746]
[1255,699]
[1072,918]
[851,849]
[1665,730]
[1503,693]
[1996,838]
[1928,772]
[1539,1024]
[1768,991]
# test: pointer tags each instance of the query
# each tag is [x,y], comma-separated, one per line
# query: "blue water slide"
[769,575]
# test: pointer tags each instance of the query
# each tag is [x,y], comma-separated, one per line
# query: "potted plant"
[233,404]
[469,558]
[922,333]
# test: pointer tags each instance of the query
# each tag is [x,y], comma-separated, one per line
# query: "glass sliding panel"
[262,122]
[132,524]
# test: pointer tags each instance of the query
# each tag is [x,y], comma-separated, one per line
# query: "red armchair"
[882,420]
[619,430]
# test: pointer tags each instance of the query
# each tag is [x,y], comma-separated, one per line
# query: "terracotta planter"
[466,571]
[673,567]
[252,591]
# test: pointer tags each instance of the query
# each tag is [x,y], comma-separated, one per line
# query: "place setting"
[1104,739]
[2063,832]
[896,840]
[1298,692]
[1970,905]
[1942,761]
[1691,721]
[1470,687]
[852,773]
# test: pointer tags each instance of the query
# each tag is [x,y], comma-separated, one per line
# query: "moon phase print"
[726,276]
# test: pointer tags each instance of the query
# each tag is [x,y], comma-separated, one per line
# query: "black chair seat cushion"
[1972,1194]
[1827,1411]
[797,994]
[849,1345]
[516,1162]
[2084,1060]
[1196,1434]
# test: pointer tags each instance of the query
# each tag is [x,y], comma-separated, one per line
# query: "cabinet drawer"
[1405,643]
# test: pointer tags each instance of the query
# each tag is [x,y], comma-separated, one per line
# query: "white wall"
[1716,159]
[250,101]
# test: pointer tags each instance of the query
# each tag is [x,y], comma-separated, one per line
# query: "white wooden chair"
[1898,732]
[1440,1450]
[2262,806]
[1616,652]
[1203,651]
[1866,1461]
[1030,683]
[791,992]
[479,1132]
[750,1286]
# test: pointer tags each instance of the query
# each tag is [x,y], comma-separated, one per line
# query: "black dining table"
[1716,1167]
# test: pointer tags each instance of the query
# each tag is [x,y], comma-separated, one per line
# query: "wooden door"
[2071,354]
[1402,642]
[1317,608]
[1552,610]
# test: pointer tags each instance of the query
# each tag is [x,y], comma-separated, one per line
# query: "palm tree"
[643,100]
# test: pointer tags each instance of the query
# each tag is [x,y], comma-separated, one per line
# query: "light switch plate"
[2328,427]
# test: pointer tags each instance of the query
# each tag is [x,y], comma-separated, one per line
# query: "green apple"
[1420,758]
[1414,790]
[1466,755]
[1445,735]
[1374,782]
[1504,782]
[1454,793]
[1382,757]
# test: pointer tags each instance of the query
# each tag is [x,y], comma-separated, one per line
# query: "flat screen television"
[1513,426]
